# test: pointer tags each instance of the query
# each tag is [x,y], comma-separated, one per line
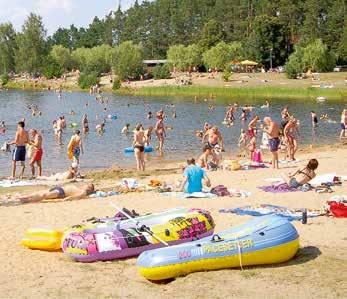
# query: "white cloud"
[48,6]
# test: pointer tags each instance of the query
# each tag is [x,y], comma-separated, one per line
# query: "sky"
[58,13]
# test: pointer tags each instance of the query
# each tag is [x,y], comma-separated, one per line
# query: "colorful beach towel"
[266,209]
[281,188]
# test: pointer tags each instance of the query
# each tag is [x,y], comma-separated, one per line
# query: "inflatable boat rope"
[138,224]
[236,239]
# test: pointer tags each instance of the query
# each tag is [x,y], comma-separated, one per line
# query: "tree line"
[206,33]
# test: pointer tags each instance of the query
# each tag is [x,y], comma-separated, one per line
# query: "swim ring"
[263,240]
[148,149]
[73,125]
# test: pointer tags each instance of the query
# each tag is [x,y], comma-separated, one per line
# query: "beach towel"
[183,195]
[323,179]
[18,183]
[337,205]
[101,194]
[282,188]
[266,209]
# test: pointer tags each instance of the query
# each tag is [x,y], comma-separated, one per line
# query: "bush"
[117,84]
[226,75]
[161,72]
[87,80]
[4,78]
[52,68]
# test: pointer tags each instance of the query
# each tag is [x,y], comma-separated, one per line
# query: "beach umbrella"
[248,62]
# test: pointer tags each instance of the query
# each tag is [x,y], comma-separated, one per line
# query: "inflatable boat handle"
[216,238]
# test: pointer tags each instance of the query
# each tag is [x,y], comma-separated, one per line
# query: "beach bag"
[220,190]
[256,156]
[338,209]
[235,165]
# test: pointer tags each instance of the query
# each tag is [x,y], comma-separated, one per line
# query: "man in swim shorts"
[38,152]
[21,139]
[272,130]
[66,192]
[76,146]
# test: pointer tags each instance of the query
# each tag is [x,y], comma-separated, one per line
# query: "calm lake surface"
[105,150]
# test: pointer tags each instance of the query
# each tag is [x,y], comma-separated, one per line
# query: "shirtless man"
[76,147]
[290,131]
[70,174]
[139,147]
[272,130]
[37,154]
[21,139]
[65,193]
[214,138]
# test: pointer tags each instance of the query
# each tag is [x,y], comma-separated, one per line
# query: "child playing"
[242,143]
[252,146]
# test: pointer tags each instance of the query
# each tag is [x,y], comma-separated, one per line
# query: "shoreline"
[292,89]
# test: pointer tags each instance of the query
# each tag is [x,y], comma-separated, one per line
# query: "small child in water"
[252,146]
[242,142]
[125,129]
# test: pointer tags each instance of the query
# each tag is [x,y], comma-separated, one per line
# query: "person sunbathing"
[70,174]
[65,193]
[301,176]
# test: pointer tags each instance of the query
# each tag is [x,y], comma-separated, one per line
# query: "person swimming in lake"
[139,147]
[343,124]
[314,119]
[301,176]
[160,131]
[242,142]
[125,129]
[75,147]
[149,115]
[85,124]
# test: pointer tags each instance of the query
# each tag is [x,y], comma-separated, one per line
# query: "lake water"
[107,150]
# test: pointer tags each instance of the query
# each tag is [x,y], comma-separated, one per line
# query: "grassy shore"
[242,85]
[250,92]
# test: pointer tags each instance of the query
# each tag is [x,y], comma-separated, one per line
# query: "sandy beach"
[316,272]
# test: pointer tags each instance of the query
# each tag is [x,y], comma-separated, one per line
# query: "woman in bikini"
[302,176]
[290,135]
[160,132]
[139,147]
[252,126]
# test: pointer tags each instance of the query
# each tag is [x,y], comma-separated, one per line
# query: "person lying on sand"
[301,176]
[70,174]
[65,193]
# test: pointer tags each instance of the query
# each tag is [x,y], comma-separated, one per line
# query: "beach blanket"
[282,188]
[183,195]
[323,179]
[266,209]
[101,194]
[18,183]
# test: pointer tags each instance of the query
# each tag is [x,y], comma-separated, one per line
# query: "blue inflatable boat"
[263,240]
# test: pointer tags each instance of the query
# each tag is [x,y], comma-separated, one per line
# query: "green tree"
[62,37]
[32,48]
[218,56]
[212,33]
[177,57]
[51,68]
[7,47]
[193,55]
[317,57]
[294,66]
[62,56]
[267,39]
[128,61]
